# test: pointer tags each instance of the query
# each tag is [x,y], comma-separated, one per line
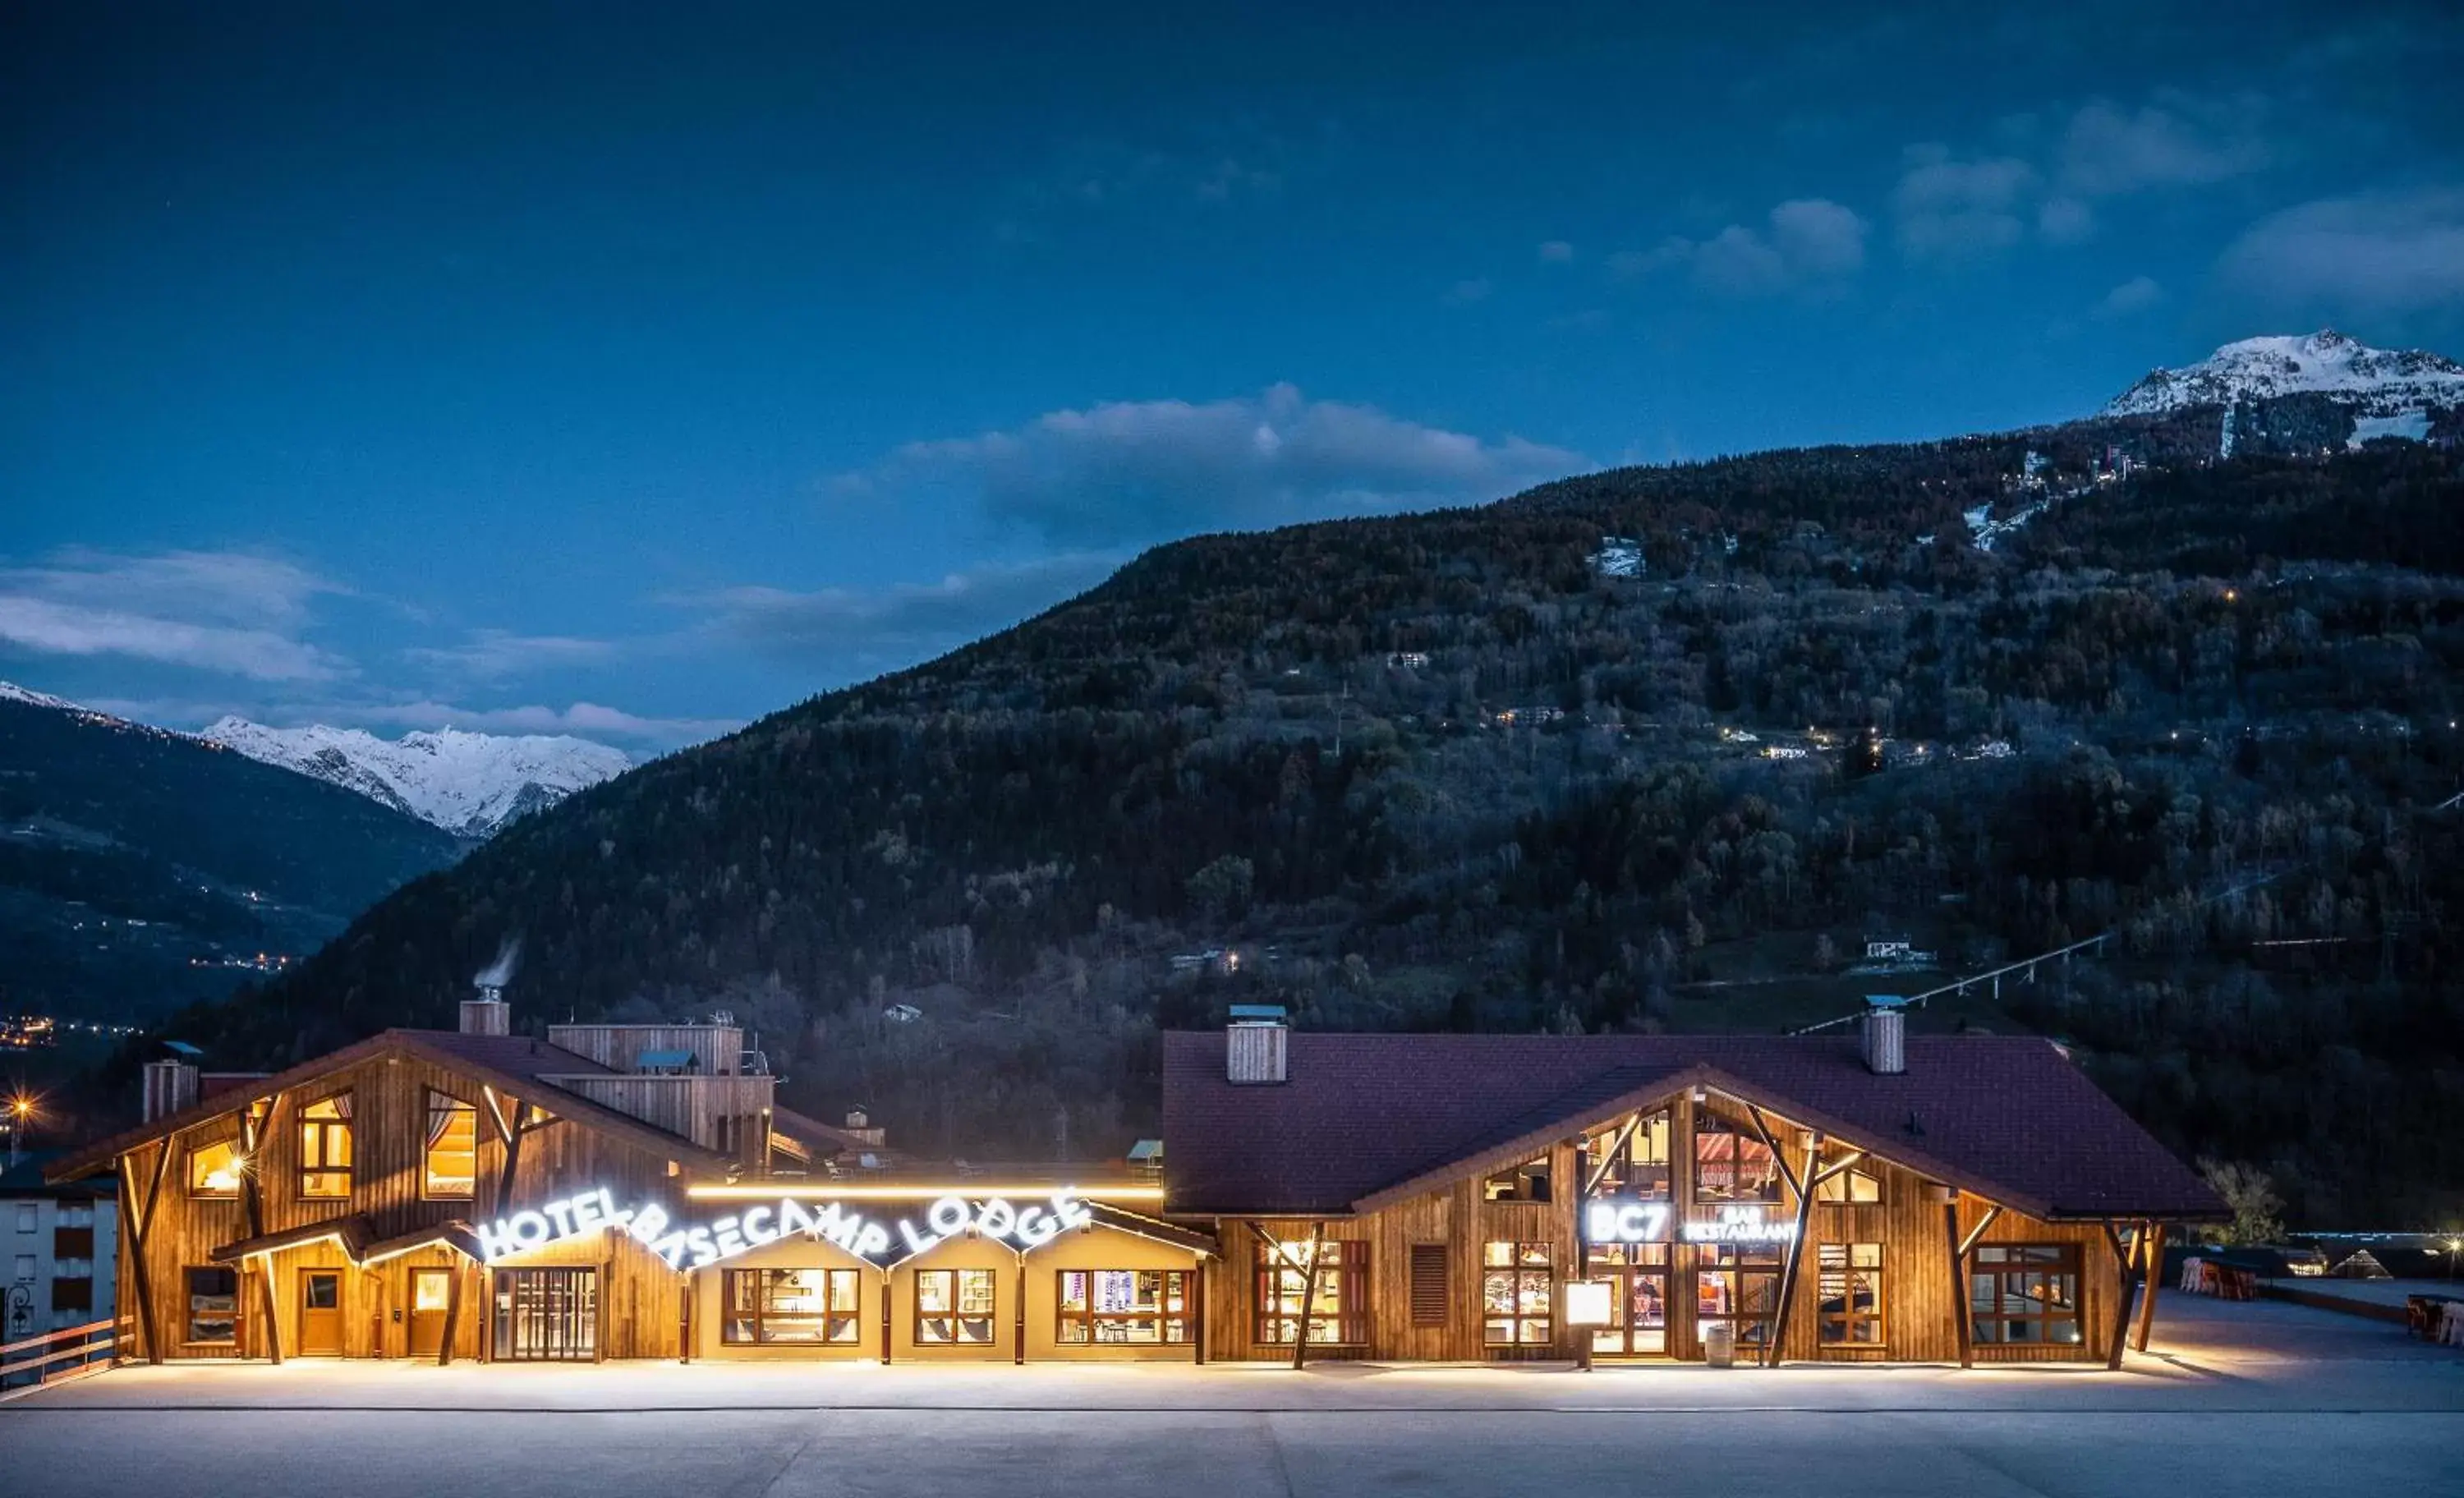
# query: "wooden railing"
[57,1355]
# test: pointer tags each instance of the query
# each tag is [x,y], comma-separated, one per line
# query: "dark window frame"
[1345,1277]
[1748,1267]
[1710,1129]
[1841,1328]
[1992,1314]
[440,1101]
[317,1162]
[189,1295]
[760,1313]
[1519,1272]
[1526,1182]
[1173,1328]
[197,1191]
[956,1317]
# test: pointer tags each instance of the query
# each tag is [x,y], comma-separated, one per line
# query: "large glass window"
[450,1169]
[1732,1165]
[1849,1310]
[215,1168]
[1518,1290]
[214,1305]
[1640,1273]
[1127,1306]
[1339,1315]
[2025,1294]
[767,1306]
[1852,1185]
[1527,1181]
[1738,1283]
[1630,1164]
[954,1307]
[325,1147]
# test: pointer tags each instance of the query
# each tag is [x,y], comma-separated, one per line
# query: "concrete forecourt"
[2235,1399]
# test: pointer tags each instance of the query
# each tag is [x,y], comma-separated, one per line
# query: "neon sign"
[1610,1221]
[698,1246]
[1738,1225]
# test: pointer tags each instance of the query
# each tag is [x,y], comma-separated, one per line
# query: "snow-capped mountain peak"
[10,692]
[470,784]
[2375,382]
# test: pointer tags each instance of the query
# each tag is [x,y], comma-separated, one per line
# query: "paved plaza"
[2235,1399]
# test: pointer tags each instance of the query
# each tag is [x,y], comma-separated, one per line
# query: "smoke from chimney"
[492,978]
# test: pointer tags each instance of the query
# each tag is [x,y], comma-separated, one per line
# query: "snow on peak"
[2377,382]
[10,692]
[470,784]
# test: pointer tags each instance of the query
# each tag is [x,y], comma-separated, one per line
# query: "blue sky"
[635,370]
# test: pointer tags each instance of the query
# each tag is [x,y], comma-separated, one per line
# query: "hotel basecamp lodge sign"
[1613,1219]
[699,1246]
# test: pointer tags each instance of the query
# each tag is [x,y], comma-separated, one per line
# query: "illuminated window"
[1338,1314]
[1731,1166]
[2025,1294]
[792,1306]
[1527,1181]
[1737,1283]
[1517,1290]
[1630,1164]
[1849,1310]
[1640,1273]
[1850,1185]
[214,1305]
[325,1147]
[954,1307]
[215,1168]
[1123,1307]
[452,1169]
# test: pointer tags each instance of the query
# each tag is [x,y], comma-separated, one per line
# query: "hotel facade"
[636,1192]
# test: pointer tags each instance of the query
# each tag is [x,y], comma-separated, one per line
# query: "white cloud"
[1803,244]
[1135,470]
[864,631]
[1556,251]
[232,612]
[1951,208]
[2367,254]
[495,655]
[2065,221]
[2133,296]
[2110,150]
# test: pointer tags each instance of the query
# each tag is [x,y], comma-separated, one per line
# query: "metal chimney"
[170,1085]
[1884,1034]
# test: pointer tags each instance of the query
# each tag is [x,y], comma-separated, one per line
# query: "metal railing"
[57,1355]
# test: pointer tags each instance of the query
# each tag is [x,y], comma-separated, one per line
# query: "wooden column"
[251,1193]
[686,1297]
[134,1238]
[885,1318]
[2153,1271]
[452,1312]
[1958,1281]
[1789,1271]
[1308,1296]
[1018,1324]
[2125,1252]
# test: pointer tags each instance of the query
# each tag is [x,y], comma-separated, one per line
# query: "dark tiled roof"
[2007,1118]
[825,1140]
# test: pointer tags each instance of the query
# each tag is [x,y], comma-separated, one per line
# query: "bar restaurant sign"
[1611,1220]
[696,1245]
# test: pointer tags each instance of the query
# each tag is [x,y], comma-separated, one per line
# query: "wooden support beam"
[1839,1167]
[885,1318]
[2125,1252]
[1624,1137]
[141,1278]
[1779,1156]
[254,1127]
[1308,1294]
[2152,1270]
[1958,1281]
[1018,1326]
[512,1159]
[453,1315]
[1967,1245]
[1791,1272]
[1196,1308]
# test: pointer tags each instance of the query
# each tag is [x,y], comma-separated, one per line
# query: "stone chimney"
[488,1014]
[170,1085]
[1254,1052]
[1884,1034]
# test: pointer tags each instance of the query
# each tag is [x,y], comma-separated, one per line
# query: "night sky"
[634,371]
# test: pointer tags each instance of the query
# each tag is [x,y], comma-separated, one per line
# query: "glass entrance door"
[547,1316]
[1640,1273]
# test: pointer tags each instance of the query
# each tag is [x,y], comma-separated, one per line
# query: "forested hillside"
[1656,747]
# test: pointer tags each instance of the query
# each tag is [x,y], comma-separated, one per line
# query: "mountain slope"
[469,784]
[1440,771]
[2374,383]
[140,868]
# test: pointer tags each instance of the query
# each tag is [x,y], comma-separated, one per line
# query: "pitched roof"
[825,1140]
[513,1064]
[1364,1116]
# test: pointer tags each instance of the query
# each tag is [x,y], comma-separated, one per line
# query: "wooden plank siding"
[1920,1316]
[639,1296]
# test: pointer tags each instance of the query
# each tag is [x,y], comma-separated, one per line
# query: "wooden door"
[432,1290]
[321,1312]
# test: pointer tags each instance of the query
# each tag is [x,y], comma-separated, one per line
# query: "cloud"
[1463,294]
[1137,471]
[1556,251]
[2065,221]
[581,719]
[236,613]
[2368,253]
[1950,209]
[1804,244]
[495,655]
[2133,296]
[2108,151]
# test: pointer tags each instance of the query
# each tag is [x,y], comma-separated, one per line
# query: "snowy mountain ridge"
[2377,382]
[470,784]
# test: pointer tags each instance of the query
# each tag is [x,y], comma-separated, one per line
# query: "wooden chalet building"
[1866,1197]
[633,1191]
